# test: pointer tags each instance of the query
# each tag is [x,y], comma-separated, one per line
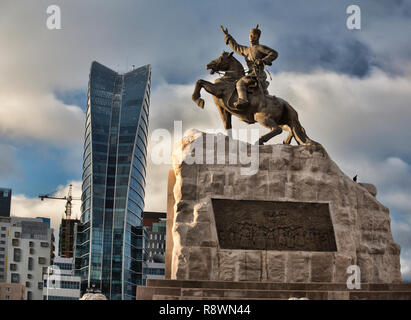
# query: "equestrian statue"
[245,95]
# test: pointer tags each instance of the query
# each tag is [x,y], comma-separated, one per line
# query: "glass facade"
[110,245]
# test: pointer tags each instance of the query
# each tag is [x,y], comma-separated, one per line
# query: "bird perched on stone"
[355,178]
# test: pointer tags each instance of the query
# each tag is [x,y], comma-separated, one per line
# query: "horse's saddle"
[252,90]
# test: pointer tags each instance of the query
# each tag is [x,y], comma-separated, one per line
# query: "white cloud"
[30,115]
[350,115]
[406,269]
[400,200]
[401,231]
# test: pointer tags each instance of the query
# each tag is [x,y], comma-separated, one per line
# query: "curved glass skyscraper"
[109,245]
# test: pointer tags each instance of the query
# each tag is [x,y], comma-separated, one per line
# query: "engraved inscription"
[273,225]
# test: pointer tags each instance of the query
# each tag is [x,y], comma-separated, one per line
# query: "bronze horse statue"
[270,111]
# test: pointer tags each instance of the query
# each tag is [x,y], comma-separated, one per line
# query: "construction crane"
[69,198]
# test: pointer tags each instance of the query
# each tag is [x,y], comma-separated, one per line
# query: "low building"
[155,245]
[12,291]
[25,253]
[155,222]
[156,242]
[154,270]
[60,283]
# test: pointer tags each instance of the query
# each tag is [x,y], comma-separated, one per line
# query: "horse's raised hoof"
[260,142]
[200,103]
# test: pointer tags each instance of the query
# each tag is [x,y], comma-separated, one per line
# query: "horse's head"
[222,63]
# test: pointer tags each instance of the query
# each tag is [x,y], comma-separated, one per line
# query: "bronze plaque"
[273,225]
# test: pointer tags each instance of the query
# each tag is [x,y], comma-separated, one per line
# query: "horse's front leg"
[197,95]
[208,86]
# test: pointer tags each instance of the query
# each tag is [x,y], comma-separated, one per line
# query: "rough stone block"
[179,263]
[199,235]
[302,174]
[260,181]
[298,267]
[341,263]
[277,183]
[264,161]
[370,188]
[231,265]
[322,267]
[366,264]
[184,211]
[202,263]
[275,266]
[202,212]
[253,265]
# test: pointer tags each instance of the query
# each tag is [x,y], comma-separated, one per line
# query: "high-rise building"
[109,241]
[66,237]
[5,202]
[26,250]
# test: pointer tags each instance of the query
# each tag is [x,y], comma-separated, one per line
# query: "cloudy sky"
[352,88]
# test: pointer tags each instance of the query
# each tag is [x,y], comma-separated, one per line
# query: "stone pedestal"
[298,218]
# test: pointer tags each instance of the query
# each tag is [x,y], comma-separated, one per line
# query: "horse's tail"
[297,129]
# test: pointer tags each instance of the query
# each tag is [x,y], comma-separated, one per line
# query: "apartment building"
[25,253]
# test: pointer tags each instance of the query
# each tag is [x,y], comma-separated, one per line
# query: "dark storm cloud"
[180,37]
[306,53]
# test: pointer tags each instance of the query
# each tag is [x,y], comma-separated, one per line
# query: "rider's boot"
[241,104]
[242,101]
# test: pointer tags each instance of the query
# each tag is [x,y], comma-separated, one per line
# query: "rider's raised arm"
[235,46]
[271,55]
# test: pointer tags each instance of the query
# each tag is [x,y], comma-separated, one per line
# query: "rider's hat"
[256,30]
